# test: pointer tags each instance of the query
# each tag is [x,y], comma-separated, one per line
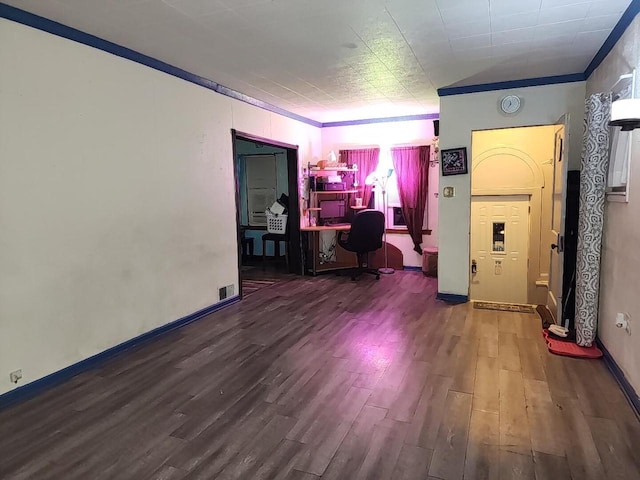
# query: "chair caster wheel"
[377,277]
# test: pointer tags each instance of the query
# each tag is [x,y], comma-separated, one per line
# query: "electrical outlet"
[16,376]
[230,290]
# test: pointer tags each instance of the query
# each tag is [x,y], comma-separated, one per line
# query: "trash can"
[430,261]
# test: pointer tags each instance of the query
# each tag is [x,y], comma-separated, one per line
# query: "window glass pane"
[498,237]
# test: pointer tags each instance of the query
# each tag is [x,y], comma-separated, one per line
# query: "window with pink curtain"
[367,161]
[411,166]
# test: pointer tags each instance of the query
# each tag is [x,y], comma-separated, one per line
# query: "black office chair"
[364,237]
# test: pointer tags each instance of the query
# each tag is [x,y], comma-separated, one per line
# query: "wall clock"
[510,104]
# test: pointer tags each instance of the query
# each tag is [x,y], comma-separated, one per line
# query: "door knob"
[474,267]
[553,246]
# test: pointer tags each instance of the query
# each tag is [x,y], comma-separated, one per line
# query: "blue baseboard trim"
[452,298]
[37,386]
[412,268]
[618,374]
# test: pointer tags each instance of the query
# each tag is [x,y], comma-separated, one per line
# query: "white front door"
[499,248]
[560,167]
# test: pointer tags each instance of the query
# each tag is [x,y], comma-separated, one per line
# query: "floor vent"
[225,292]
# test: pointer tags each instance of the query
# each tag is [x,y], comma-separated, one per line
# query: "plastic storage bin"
[276,223]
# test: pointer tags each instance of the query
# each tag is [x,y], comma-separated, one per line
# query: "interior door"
[499,248]
[556,234]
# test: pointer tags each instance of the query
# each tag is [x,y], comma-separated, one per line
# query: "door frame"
[293,220]
[535,282]
[501,192]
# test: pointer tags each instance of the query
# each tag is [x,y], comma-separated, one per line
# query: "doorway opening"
[512,209]
[265,171]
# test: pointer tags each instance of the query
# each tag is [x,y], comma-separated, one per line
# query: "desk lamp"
[380,179]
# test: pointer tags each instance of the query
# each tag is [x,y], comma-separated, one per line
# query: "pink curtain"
[367,161]
[411,165]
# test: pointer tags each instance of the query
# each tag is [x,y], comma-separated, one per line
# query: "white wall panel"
[117,204]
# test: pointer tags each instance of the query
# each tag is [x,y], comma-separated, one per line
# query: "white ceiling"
[332,60]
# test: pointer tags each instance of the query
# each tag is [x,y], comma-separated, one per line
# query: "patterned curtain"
[595,160]
[411,165]
[367,161]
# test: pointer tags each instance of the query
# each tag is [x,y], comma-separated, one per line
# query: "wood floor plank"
[325,435]
[423,429]
[618,460]
[547,435]
[531,326]
[483,447]
[486,392]
[405,403]
[322,377]
[351,453]
[516,466]
[582,454]
[488,345]
[488,332]
[249,460]
[450,449]
[530,360]
[514,425]
[555,369]
[168,473]
[508,352]
[298,475]
[550,467]
[413,463]
[509,322]
[384,450]
[464,366]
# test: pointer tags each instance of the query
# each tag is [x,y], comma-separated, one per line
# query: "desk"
[344,259]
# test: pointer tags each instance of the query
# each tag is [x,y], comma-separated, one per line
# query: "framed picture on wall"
[454,161]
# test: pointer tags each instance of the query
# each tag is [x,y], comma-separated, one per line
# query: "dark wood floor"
[327,378]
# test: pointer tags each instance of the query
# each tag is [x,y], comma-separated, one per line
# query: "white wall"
[117,204]
[620,255]
[386,135]
[462,114]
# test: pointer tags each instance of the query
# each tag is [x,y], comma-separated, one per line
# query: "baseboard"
[37,386]
[620,377]
[452,298]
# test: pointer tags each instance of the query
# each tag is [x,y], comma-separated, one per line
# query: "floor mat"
[252,286]
[505,307]
[570,349]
